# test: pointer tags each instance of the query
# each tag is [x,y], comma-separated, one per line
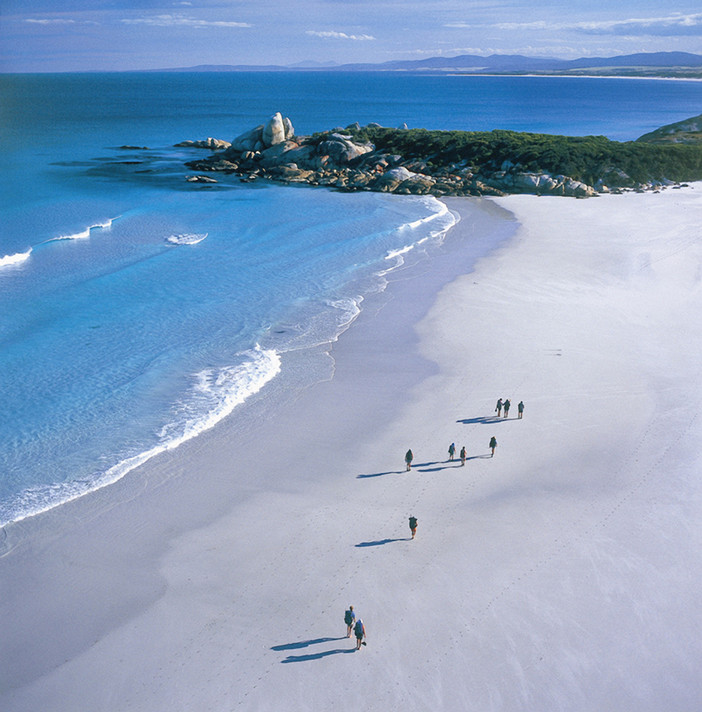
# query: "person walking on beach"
[452,451]
[360,631]
[506,406]
[493,445]
[463,456]
[520,409]
[413,526]
[349,619]
[408,459]
[498,408]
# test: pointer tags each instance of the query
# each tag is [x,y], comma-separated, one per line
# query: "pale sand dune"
[562,574]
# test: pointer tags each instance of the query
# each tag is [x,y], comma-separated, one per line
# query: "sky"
[113,35]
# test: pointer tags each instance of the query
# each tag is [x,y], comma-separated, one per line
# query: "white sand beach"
[561,574]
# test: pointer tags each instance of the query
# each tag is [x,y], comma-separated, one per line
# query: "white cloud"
[338,36]
[670,25]
[181,21]
[45,21]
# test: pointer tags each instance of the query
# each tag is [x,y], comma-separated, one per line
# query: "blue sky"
[83,35]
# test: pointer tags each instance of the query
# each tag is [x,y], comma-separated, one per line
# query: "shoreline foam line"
[398,253]
[225,388]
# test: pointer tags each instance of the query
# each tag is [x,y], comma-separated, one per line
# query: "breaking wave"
[215,393]
[16,259]
[186,238]
[83,234]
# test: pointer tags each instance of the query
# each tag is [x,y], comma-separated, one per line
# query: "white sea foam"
[440,210]
[186,238]
[446,221]
[347,310]
[15,259]
[83,234]
[393,254]
[215,394]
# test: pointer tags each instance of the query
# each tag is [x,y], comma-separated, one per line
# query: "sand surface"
[562,574]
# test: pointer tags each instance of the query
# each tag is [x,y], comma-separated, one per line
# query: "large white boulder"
[274,130]
[248,140]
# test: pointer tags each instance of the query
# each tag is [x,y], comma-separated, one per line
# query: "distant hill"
[505,63]
[669,64]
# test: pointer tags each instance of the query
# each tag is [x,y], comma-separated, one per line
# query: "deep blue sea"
[139,309]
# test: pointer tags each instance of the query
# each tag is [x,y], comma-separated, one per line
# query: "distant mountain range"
[643,64]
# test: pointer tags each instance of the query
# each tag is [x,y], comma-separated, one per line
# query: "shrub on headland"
[581,158]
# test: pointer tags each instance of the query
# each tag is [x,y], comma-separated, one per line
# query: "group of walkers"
[462,454]
[504,405]
[356,625]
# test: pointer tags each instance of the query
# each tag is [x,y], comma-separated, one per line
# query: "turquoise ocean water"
[139,309]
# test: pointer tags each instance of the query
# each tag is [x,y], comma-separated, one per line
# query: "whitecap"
[83,234]
[15,259]
[187,238]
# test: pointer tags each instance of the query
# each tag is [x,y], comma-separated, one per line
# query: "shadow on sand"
[380,474]
[490,419]
[381,542]
[311,656]
[305,643]
[316,656]
[446,465]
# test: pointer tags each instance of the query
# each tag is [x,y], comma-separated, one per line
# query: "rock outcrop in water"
[346,160]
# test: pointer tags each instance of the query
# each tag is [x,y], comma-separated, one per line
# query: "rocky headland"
[420,162]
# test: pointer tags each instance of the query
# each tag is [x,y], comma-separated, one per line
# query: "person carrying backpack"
[349,619]
[360,630]
[413,525]
[408,459]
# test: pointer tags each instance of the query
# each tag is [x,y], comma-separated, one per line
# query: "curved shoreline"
[571,554]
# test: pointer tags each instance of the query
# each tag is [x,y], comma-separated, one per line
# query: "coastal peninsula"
[456,163]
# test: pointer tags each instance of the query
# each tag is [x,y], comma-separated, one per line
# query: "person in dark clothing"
[493,445]
[498,408]
[520,409]
[349,619]
[506,405]
[463,456]
[408,459]
[452,451]
[413,525]
[360,630]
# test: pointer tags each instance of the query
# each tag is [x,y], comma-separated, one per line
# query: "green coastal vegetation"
[587,159]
